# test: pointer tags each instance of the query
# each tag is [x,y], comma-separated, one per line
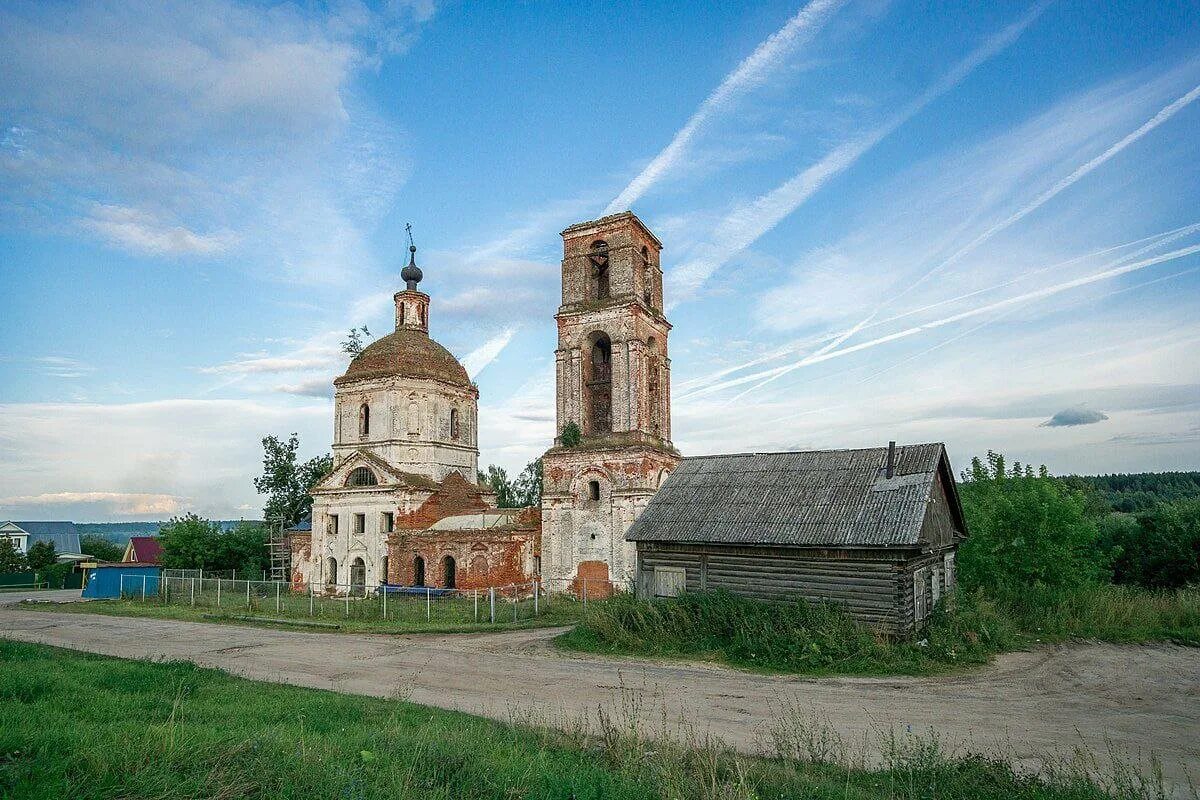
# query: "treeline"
[1028,528]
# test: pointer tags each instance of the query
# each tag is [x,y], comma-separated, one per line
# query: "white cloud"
[142,233]
[119,504]
[768,57]
[175,127]
[64,367]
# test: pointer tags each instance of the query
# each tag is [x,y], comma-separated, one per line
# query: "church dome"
[406,354]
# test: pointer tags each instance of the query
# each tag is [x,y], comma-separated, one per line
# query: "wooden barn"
[874,530]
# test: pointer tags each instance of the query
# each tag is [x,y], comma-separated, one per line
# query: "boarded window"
[937,585]
[921,594]
[948,562]
[669,581]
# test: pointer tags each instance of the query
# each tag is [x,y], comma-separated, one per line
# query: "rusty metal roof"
[814,498]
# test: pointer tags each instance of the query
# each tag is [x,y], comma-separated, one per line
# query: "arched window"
[331,571]
[361,476]
[454,424]
[594,491]
[414,417]
[400,310]
[647,277]
[599,272]
[599,386]
[448,568]
[418,571]
[364,419]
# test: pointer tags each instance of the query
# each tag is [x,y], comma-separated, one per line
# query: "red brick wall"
[455,496]
[482,558]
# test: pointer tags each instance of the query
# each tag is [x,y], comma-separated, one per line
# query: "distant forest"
[119,532]
[1139,491]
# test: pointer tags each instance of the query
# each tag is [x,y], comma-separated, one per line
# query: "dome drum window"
[361,476]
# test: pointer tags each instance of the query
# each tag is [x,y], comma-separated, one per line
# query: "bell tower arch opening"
[598,397]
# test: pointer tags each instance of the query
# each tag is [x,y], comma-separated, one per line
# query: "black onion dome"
[411,274]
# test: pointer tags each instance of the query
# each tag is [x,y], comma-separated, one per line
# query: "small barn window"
[669,581]
[361,476]
[454,424]
[364,419]
[594,491]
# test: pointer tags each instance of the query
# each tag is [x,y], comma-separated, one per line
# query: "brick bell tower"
[614,387]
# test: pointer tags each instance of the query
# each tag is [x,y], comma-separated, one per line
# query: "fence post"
[143,588]
[514,602]
[585,594]
[492,602]
[385,601]
[536,586]
[310,599]
[193,591]
[276,597]
[248,606]
[347,604]
[477,605]
[218,592]
[428,594]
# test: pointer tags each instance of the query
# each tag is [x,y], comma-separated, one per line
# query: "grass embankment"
[797,637]
[82,726]
[404,616]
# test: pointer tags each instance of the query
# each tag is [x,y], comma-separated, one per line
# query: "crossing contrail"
[938,323]
[767,57]
[745,225]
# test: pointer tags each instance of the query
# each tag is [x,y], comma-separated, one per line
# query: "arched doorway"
[418,571]
[448,569]
[331,571]
[358,578]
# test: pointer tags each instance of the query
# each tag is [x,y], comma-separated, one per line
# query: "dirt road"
[1142,700]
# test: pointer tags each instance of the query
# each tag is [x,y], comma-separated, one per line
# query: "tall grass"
[820,639]
[95,727]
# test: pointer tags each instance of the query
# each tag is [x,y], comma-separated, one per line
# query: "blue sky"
[979,226]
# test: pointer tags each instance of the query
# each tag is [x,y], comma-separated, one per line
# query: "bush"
[101,548]
[190,542]
[571,435]
[786,636]
[1158,549]
[1025,529]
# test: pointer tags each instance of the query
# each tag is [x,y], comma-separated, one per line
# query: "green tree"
[101,548]
[571,435]
[243,549]
[356,341]
[1160,548]
[189,542]
[287,483]
[1026,529]
[496,479]
[11,559]
[527,488]
[41,555]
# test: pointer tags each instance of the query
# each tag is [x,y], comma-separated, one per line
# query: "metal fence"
[414,604]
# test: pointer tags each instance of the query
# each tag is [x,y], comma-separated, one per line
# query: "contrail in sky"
[1158,119]
[745,225]
[768,56]
[938,323]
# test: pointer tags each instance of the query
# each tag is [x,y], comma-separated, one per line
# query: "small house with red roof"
[142,550]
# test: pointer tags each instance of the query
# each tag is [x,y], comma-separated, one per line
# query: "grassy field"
[799,638]
[83,726]
[406,616]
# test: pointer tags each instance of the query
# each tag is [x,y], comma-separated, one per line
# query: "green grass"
[819,639]
[82,726]
[406,616]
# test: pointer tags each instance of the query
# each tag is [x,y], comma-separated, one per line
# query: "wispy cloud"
[143,233]
[134,504]
[745,224]
[772,53]
[64,367]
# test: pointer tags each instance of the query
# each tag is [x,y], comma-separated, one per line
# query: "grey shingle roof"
[63,535]
[815,498]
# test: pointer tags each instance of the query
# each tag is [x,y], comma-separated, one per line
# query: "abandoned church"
[875,530]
